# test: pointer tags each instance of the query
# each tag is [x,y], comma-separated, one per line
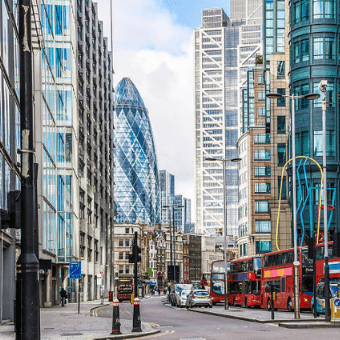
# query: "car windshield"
[200,293]
[184,292]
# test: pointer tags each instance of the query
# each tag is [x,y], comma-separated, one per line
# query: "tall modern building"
[216,120]
[314,40]
[167,192]
[137,196]
[95,153]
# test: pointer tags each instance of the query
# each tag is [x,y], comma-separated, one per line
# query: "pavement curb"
[306,326]
[129,335]
[243,318]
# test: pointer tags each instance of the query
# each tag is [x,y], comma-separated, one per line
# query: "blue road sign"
[75,270]
[337,302]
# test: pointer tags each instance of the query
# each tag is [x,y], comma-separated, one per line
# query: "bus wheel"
[289,305]
[268,305]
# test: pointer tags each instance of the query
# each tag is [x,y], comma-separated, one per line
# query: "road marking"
[158,334]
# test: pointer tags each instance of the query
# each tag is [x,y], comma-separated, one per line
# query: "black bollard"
[115,319]
[137,323]
[272,298]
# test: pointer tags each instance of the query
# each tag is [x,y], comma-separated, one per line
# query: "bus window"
[255,287]
[278,259]
[307,283]
[319,253]
[283,285]
[233,287]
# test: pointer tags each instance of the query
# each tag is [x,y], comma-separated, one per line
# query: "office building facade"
[314,40]
[216,121]
[167,193]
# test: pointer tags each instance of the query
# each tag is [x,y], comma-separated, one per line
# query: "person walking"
[63,296]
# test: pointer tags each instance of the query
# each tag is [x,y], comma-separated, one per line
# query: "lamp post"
[172,238]
[224,161]
[323,88]
[309,96]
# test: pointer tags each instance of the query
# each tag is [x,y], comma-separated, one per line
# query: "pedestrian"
[63,296]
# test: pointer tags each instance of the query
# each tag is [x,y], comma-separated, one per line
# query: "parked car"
[181,300]
[320,295]
[198,298]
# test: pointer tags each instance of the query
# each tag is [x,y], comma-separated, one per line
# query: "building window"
[263,247]
[318,143]
[281,124]
[262,188]
[262,226]
[323,48]
[280,69]
[121,243]
[127,230]
[262,171]
[284,188]
[281,102]
[305,50]
[245,249]
[262,95]
[330,95]
[127,243]
[121,270]
[323,9]
[261,206]
[262,138]
[281,154]
[121,256]
[260,79]
[127,269]
[261,155]
[262,111]
[301,10]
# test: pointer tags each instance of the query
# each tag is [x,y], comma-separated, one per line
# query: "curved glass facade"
[315,46]
[136,170]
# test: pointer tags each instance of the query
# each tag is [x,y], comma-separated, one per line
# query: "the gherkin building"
[136,170]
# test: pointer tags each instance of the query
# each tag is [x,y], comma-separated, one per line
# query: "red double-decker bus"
[333,263]
[205,280]
[244,281]
[217,279]
[278,270]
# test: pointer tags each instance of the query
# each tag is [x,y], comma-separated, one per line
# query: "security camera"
[323,85]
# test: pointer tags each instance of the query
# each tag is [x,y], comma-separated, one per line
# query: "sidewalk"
[283,318]
[64,323]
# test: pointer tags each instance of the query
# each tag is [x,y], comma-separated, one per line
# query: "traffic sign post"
[75,273]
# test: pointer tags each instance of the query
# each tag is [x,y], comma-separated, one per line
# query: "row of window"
[265,188]
[323,48]
[322,9]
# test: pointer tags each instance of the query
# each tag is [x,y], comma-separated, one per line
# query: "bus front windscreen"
[217,287]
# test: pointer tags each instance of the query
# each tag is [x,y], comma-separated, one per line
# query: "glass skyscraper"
[216,112]
[315,50]
[137,195]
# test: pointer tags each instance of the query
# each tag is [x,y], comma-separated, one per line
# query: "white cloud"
[156,53]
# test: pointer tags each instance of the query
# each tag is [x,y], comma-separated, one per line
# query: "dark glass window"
[263,247]
[284,188]
[281,124]
[281,102]
[261,206]
[262,171]
[305,50]
[280,69]
[281,154]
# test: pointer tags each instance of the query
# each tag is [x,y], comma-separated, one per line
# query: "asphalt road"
[180,324]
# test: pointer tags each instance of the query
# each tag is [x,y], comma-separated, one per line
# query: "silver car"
[199,298]
[181,298]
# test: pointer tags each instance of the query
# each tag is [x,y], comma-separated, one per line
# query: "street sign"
[75,270]
[337,303]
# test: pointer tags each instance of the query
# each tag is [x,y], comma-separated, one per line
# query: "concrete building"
[210,253]
[95,156]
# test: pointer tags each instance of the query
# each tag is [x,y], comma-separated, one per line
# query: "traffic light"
[131,258]
[311,244]
[138,252]
[336,244]
[160,278]
[11,218]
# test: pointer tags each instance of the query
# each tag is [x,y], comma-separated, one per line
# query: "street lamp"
[323,88]
[309,96]
[224,161]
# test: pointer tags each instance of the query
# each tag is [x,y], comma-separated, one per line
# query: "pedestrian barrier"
[137,323]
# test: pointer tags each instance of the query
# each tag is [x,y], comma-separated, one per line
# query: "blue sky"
[188,12]
[153,45]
